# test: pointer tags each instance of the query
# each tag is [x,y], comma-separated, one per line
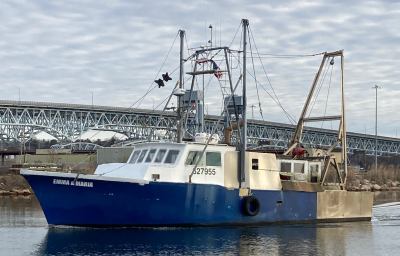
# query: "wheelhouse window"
[193,157]
[160,155]
[172,155]
[314,170]
[254,163]
[298,167]
[135,156]
[286,167]
[142,155]
[150,155]
[208,159]
[213,158]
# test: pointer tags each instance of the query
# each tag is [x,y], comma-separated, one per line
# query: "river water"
[23,231]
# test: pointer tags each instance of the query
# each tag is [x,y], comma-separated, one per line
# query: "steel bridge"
[20,119]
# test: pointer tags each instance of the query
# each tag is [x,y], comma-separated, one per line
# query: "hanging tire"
[251,206]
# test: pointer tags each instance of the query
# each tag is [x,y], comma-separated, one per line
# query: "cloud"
[62,51]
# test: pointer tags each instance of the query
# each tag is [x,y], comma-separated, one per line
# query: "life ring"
[251,206]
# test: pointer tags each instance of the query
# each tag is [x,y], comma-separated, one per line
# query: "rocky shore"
[12,184]
[367,185]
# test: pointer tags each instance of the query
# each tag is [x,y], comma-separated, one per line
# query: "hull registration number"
[205,171]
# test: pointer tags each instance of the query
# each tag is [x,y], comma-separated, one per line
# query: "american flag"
[217,70]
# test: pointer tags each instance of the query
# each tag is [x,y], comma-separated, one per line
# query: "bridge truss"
[20,119]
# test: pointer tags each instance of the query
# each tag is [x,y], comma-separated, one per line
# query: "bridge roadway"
[20,119]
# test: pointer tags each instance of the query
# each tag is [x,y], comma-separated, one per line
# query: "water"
[23,231]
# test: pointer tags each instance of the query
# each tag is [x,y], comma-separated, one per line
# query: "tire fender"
[250,206]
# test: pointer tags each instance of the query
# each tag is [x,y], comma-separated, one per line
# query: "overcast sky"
[62,51]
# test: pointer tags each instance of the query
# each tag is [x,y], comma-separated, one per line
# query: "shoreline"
[13,184]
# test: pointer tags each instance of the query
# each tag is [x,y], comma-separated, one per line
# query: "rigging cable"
[255,79]
[188,50]
[327,95]
[290,118]
[288,56]
[320,83]
[168,98]
[233,39]
[152,85]
[273,98]
[187,45]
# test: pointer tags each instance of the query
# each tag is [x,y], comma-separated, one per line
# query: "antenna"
[211,34]
[179,109]
[220,29]
[252,111]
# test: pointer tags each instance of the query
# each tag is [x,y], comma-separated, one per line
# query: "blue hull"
[114,203]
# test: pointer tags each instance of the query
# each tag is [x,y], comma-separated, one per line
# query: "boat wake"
[392,204]
[387,213]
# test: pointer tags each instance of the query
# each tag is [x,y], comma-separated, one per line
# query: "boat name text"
[76,183]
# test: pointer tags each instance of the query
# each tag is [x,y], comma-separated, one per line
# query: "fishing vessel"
[200,181]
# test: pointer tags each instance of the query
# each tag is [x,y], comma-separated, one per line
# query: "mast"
[343,112]
[245,24]
[179,124]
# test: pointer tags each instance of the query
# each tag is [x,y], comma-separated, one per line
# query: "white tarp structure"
[95,135]
[43,136]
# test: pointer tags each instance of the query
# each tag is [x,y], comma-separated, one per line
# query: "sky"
[69,51]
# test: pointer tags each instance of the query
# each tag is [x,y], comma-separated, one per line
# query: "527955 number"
[205,171]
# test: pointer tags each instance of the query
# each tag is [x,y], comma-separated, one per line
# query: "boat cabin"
[171,162]
[300,170]
[176,163]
